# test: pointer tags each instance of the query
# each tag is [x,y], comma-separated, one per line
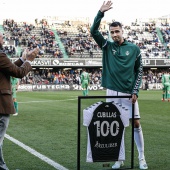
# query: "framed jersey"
[105,122]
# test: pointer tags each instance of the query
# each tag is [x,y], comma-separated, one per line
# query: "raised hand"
[106,6]
[32,54]
[24,54]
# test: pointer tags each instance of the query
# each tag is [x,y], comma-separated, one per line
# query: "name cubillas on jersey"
[105,122]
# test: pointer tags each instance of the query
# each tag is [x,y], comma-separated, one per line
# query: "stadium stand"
[29,36]
[78,41]
[62,48]
[147,39]
[72,40]
[165,31]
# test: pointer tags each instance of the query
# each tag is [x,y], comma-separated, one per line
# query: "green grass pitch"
[47,122]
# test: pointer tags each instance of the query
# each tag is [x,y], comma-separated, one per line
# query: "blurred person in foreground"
[18,69]
[121,74]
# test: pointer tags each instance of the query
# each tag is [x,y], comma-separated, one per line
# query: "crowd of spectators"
[79,43]
[147,39]
[9,50]
[30,36]
[72,76]
[165,30]
[61,76]
[77,39]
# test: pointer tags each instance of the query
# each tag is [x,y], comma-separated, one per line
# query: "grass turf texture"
[47,122]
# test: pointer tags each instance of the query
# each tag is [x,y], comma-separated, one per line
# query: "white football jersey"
[105,122]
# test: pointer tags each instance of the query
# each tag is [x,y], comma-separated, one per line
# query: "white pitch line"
[41,101]
[37,154]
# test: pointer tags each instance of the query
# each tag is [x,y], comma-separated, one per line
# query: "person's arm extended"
[94,29]
[17,69]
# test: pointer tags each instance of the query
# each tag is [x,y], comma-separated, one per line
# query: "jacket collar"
[125,42]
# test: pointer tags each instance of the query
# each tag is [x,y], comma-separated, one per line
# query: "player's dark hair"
[115,24]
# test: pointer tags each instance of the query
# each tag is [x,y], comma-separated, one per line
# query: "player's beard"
[116,39]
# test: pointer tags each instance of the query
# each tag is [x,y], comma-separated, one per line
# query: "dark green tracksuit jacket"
[122,64]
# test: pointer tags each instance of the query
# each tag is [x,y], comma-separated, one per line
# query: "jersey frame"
[80,98]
